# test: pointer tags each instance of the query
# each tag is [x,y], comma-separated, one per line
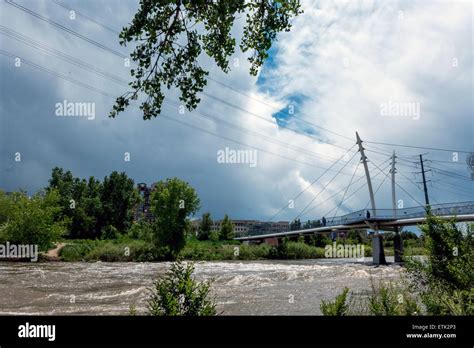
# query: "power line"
[457,187]
[448,162]
[122,56]
[81,64]
[345,192]
[65,29]
[449,173]
[453,192]
[214,80]
[325,186]
[261,101]
[112,96]
[60,55]
[279,110]
[419,188]
[408,193]
[313,182]
[70,79]
[108,94]
[332,196]
[204,93]
[77,82]
[354,192]
[269,121]
[448,170]
[417,147]
[86,17]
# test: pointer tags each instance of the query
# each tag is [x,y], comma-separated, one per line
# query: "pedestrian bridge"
[379,219]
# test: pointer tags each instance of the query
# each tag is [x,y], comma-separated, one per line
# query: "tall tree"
[171,36]
[91,205]
[79,202]
[63,183]
[71,192]
[172,202]
[118,199]
[227,229]
[6,207]
[205,226]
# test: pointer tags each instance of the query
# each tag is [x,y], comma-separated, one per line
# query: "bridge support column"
[378,254]
[398,246]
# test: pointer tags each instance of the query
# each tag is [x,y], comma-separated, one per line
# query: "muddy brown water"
[240,287]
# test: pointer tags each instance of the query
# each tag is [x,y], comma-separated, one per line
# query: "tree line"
[74,208]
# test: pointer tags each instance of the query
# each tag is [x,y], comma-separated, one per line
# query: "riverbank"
[130,250]
[126,250]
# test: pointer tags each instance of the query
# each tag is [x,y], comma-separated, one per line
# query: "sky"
[397,72]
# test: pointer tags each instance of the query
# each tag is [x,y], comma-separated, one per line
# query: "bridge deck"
[383,218]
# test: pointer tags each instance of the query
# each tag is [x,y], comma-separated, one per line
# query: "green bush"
[109,232]
[141,230]
[319,240]
[414,250]
[77,250]
[445,277]
[214,236]
[383,299]
[441,283]
[338,307]
[296,250]
[254,252]
[106,252]
[178,294]
[109,251]
[367,250]
[441,300]
[387,300]
[206,251]
[30,220]
[223,250]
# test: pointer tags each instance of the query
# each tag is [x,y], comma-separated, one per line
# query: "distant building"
[143,209]
[243,227]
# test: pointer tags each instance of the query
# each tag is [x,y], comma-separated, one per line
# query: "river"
[240,287]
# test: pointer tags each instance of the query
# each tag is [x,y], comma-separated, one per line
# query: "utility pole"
[427,200]
[367,175]
[397,240]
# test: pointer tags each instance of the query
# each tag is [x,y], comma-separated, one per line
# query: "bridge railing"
[458,208]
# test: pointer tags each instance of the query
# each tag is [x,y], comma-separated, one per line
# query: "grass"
[298,250]
[126,248]
[223,250]
[383,299]
[108,251]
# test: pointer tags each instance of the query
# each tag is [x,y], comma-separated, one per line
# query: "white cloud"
[347,57]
